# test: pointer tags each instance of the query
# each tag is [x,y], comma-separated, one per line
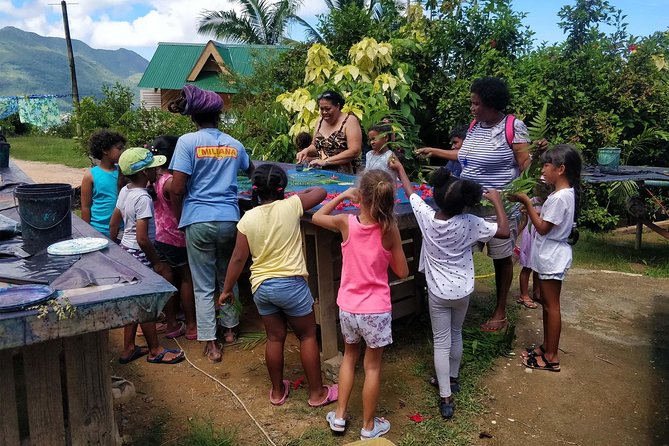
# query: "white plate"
[77,246]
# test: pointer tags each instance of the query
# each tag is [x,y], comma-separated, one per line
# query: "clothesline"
[37,96]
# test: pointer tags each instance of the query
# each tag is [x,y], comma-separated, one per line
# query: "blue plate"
[20,297]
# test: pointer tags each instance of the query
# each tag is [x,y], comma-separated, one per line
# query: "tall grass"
[48,149]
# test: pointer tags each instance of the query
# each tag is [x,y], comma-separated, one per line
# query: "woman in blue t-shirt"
[205,165]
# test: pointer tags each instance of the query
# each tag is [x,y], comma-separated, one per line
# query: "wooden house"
[175,64]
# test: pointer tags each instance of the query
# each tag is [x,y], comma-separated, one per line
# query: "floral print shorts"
[374,328]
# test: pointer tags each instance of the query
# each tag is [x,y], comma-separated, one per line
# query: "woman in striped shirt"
[493,154]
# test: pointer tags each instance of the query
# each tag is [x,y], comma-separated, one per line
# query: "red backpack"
[508,127]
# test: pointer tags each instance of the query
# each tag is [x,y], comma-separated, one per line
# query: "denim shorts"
[290,295]
[175,256]
[554,276]
[375,328]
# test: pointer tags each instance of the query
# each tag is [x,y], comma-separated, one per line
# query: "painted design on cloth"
[8,106]
[42,112]
[219,152]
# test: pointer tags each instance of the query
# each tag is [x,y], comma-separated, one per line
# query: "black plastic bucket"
[4,154]
[45,213]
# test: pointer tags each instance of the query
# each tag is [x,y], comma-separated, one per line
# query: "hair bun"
[471,192]
[440,177]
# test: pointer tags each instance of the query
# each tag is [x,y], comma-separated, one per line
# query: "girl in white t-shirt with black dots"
[446,259]
[551,250]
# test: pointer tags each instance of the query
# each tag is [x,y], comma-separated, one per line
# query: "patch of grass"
[616,252]
[48,149]
[204,433]
[312,436]
[414,345]
[154,432]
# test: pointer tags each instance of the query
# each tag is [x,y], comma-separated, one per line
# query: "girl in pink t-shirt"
[371,243]
[171,247]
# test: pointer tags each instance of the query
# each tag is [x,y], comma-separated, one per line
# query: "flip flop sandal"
[488,329]
[527,303]
[330,397]
[178,332]
[286,392]
[191,337]
[160,357]
[532,363]
[138,352]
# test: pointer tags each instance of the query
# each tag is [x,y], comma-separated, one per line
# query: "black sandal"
[532,363]
[531,351]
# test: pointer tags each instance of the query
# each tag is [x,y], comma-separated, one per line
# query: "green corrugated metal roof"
[172,63]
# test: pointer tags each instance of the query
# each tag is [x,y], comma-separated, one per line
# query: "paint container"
[45,211]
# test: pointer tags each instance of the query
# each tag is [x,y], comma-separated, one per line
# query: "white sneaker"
[336,424]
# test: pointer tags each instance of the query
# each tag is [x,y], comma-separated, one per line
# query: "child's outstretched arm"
[402,174]
[115,224]
[493,196]
[542,226]
[235,268]
[86,196]
[339,222]
[311,197]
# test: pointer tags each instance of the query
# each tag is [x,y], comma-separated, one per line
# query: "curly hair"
[493,92]
[102,140]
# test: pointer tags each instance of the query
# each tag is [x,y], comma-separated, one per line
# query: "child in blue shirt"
[99,187]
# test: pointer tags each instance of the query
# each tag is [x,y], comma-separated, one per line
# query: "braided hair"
[269,183]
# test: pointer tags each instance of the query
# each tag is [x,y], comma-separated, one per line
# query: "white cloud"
[98,23]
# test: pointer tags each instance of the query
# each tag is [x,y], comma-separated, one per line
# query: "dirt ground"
[51,173]
[613,387]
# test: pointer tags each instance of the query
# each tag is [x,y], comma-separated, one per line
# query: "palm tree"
[375,9]
[260,22]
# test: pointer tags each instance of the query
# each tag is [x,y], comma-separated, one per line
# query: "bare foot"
[212,351]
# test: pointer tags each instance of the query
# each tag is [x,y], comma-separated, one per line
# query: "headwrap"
[200,101]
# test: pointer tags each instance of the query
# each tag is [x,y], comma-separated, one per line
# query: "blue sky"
[140,24]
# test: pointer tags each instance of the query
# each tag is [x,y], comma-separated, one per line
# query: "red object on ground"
[416,418]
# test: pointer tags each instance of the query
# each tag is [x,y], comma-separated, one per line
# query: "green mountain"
[33,64]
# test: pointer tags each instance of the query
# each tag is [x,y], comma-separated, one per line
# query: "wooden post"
[44,392]
[90,402]
[639,232]
[9,421]
[73,71]
[327,295]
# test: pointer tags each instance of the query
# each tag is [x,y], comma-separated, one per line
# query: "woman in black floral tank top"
[337,142]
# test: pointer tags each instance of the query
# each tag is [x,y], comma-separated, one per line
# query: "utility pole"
[73,71]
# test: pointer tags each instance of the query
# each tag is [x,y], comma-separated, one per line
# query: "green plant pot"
[608,158]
